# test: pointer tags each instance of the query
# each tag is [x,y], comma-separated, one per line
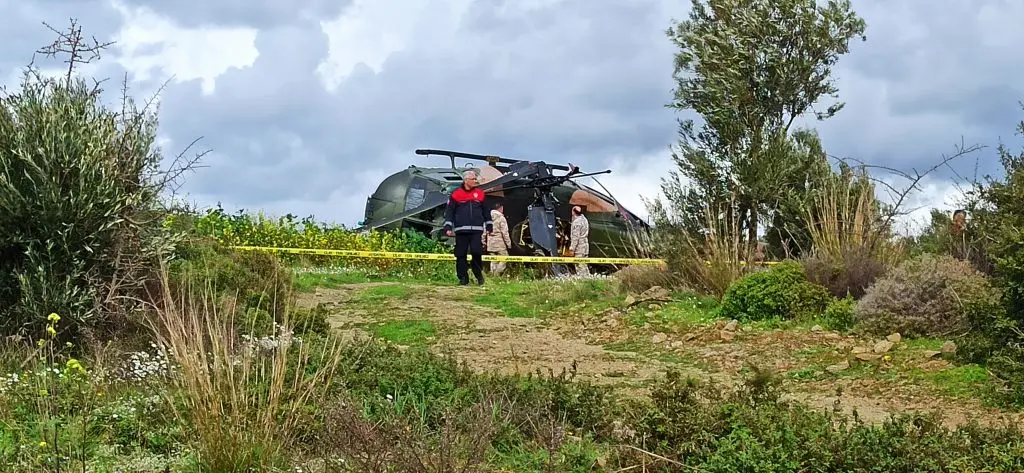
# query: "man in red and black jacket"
[466,218]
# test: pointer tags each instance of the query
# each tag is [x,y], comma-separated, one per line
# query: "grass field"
[515,326]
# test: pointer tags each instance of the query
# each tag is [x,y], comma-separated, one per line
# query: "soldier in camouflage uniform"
[579,244]
[498,242]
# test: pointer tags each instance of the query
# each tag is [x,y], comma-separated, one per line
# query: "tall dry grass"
[710,262]
[844,213]
[244,399]
[851,234]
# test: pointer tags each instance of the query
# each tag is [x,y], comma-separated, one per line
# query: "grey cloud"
[538,106]
[575,80]
[943,73]
[23,31]
[253,13]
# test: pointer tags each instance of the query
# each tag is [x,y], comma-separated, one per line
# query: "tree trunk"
[752,232]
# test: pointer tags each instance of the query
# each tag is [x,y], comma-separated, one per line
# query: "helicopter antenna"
[614,200]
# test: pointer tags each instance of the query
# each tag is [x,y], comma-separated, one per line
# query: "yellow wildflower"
[75,365]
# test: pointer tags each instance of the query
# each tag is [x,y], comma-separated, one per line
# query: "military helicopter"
[533,197]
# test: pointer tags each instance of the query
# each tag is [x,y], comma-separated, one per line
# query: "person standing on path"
[498,242]
[579,242]
[466,218]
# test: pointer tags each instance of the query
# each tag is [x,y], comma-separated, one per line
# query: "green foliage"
[311,321]
[752,429]
[256,281]
[926,296]
[997,212]
[79,208]
[839,315]
[59,414]
[244,229]
[781,292]
[961,239]
[750,69]
[403,406]
[1001,218]
[545,297]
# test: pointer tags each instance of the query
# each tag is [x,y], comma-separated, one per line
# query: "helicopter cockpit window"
[416,193]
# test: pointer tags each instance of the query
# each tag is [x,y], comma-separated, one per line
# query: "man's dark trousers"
[469,242]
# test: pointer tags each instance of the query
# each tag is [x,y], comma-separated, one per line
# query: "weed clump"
[637,279]
[255,281]
[847,272]
[244,398]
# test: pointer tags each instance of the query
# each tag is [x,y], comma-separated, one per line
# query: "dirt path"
[606,351]
[485,338]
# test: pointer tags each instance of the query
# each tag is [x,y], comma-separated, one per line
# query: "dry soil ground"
[521,327]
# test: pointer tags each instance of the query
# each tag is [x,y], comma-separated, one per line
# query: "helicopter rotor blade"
[480,157]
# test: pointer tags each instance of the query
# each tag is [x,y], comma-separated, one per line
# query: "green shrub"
[311,320]
[780,292]
[839,315]
[80,229]
[255,280]
[926,296]
[753,429]
[995,232]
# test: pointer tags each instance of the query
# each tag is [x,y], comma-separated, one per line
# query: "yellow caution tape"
[451,257]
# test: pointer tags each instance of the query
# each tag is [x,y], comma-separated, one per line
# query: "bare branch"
[71,43]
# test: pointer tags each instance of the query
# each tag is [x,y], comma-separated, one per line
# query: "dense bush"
[996,211]
[697,427]
[955,235]
[80,228]
[782,291]
[839,315]
[929,295]
[848,272]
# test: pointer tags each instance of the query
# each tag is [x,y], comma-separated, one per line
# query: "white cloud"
[633,179]
[930,194]
[367,33]
[150,44]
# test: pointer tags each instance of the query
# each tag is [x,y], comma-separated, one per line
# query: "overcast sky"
[309,103]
